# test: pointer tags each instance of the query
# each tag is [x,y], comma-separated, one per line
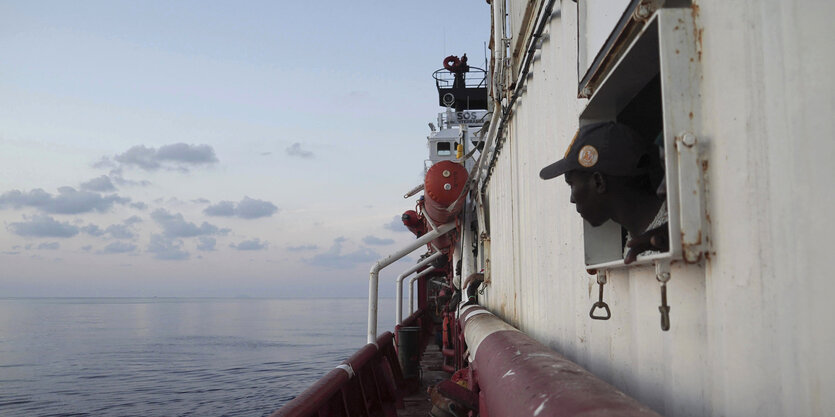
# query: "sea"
[172,356]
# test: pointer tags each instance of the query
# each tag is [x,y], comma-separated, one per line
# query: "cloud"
[117,231]
[372,240]
[104,162]
[118,247]
[167,249]
[395,225]
[206,244]
[100,184]
[174,225]
[116,176]
[247,208]
[201,201]
[297,151]
[87,248]
[175,156]
[223,208]
[92,230]
[334,258]
[67,201]
[49,246]
[139,205]
[132,220]
[254,244]
[43,226]
[120,231]
[302,248]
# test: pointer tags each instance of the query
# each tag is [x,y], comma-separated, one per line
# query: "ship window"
[444,148]
[653,88]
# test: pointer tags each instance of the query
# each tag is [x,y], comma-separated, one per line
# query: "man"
[614,174]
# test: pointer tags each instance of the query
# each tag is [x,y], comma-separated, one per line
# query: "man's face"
[587,195]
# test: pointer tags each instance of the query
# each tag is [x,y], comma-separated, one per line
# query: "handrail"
[425,272]
[399,297]
[371,377]
[374,278]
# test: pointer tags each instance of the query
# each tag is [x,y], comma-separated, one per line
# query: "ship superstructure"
[730,318]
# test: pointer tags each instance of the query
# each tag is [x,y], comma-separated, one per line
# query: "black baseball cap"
[607,147]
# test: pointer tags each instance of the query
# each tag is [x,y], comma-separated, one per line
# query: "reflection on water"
[171,356]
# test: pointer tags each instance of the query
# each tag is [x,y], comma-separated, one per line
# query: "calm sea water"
[171,356]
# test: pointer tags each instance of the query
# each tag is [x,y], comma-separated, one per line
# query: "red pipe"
[519,376]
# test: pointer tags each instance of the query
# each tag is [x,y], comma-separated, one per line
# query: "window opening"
[444,149]
[653,89]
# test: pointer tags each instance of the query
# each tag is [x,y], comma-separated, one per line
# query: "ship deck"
[418,404]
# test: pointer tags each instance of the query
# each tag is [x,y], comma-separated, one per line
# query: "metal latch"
[662,274]
[601,281]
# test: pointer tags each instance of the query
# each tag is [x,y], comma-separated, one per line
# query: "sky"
[216,149]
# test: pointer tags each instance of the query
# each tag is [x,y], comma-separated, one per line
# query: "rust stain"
[697,32]
[676,51]
[691,113]
[705,165]
[686,246]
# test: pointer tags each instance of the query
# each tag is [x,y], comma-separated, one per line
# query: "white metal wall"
[752,330]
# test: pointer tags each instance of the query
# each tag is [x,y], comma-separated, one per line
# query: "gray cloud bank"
[254,244]
[100,184]
[43,226]
[176,156]
[118,247]
[302,248]
[297,151]
[395,225]
[167,249]
[206,244]
[247,208]
[174,225]
[67,201]
[116,231]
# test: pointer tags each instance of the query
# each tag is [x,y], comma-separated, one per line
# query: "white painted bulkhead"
[752,328]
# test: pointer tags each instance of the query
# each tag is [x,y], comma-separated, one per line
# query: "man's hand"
[654,239]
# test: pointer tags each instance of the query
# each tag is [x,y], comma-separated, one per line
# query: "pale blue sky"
[215,148]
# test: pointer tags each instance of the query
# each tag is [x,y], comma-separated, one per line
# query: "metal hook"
[601,281]
[662,274]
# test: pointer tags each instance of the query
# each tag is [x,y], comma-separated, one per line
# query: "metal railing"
[369,383]
[474,78]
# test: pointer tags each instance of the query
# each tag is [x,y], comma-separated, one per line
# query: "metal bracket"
[691,200]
